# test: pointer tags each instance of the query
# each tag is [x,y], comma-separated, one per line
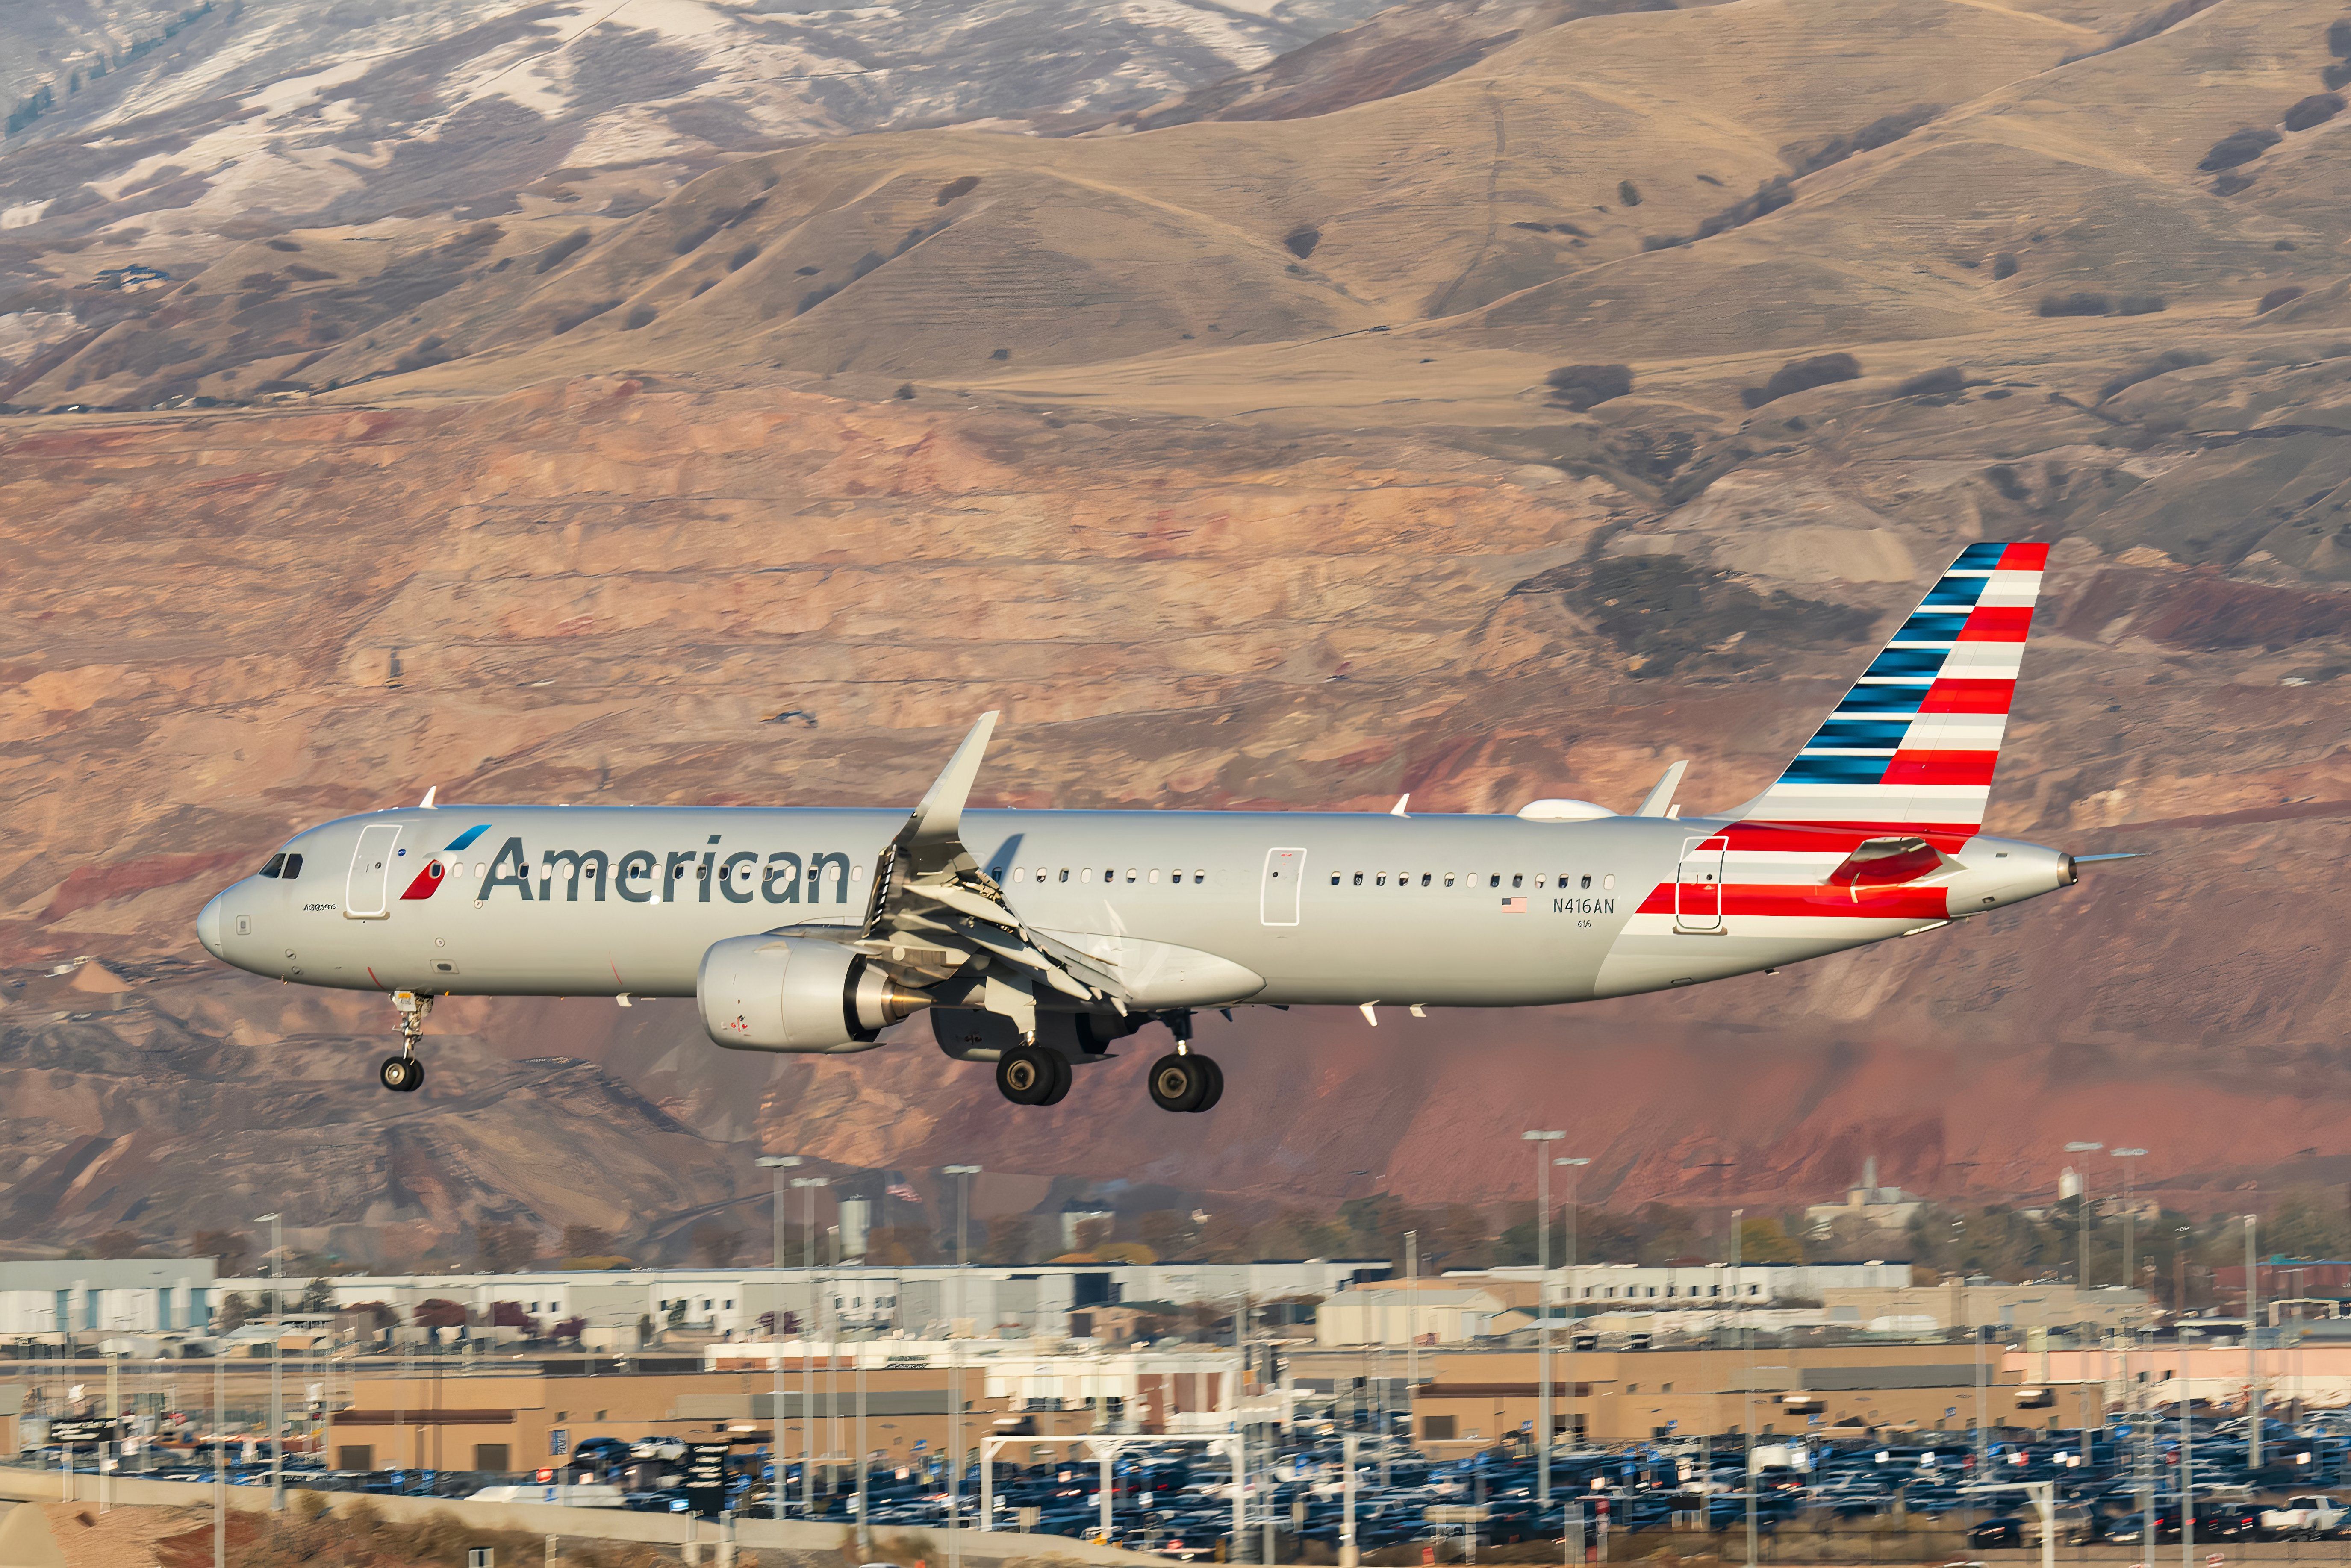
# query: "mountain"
[1241,458]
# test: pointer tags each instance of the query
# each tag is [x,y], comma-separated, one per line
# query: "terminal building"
[45,1297]
[1039,1302]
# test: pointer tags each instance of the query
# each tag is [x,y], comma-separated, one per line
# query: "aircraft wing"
[936,913]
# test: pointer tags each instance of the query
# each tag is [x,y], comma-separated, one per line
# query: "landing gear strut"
[1185,1081]
[403,1074]
[1029,1076]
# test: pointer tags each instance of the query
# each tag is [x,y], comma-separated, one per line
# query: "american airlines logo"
[642,876]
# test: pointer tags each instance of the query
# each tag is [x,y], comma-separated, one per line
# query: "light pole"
[779,1164]
[2130,1235]
[2082,1283]
[2253,1354]
[963,1174]
[276,1359]
[1575,1165]
[1542,1142]
[807,1186]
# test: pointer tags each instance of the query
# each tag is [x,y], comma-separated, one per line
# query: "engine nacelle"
[790,993]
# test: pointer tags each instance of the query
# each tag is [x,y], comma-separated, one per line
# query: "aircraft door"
[366,896]
[1278,892]
[1698,887]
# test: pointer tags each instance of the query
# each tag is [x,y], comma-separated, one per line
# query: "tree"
[582,1241]
[118,1244]
[318,1297]
[676,1317]
[569,1328]
[1767,1241]
[441,1313]
[716,1246]
[380,1315]
[1169,1232]
[505,1249]
[228,1249]
[233,1313]
[510,1315]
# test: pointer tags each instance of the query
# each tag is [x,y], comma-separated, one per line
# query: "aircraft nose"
[208,926]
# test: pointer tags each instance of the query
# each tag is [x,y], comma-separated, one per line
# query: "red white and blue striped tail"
[1912,748]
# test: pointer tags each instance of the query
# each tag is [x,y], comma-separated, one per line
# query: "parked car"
[2305,1517]
[2006,1530]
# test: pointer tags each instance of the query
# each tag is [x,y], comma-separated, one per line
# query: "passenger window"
[1608,881]
[1424,879]
[1359,879]
[1587,880]
[1449,879]
[1538,882]
[1129,873]
[1020,874]
[293,868]
[1380,880]
[1154,875]
[996,872]
[277,863]
[1495,880]
[1518,879]
[1334,879]
[1065,873]
[1086,875]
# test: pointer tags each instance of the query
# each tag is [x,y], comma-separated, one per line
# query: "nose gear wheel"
[400,1074]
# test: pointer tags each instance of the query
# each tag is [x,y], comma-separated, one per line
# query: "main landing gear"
[403,1074]
[1184,1080]
[1027,1075]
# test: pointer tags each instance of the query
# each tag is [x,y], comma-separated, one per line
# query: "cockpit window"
[293,867]
[273,865]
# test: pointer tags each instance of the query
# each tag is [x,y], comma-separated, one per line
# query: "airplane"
[1038,940]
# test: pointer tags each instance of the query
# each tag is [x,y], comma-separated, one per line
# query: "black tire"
[1216,1090]
[1023,1076]
[1063,1075]
[399,1073]
[415,1076]
[1178,1082]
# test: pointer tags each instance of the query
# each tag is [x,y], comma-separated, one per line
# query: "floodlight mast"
[779,1164]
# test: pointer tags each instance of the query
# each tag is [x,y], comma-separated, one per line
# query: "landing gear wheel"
[400,1074]
[1215,1084]
[1180,1082]
[1024,1075]
[1063,1075]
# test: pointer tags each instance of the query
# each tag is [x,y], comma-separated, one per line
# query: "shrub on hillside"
[865,264]
[571,317]
[962,186]
[2275,297]
[638,315]
[1581,387]
[2336,76]
[2081,303]
[563,250]
[430,351]
[2140,304]
[1801,375]
[2163,364]
[2239,147]
[1770,196]
[2003,265]
[2338,36]
[2315,111]
[1300,241]
[743,258]
[1934,383]
[1628,192]
[816,296]
[2228,182]
[1808,157]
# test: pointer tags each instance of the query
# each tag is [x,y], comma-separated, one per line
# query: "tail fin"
[1912,748]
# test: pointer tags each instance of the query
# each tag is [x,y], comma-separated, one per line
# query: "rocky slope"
[1268,499]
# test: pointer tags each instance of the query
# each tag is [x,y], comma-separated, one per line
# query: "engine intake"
[791,993]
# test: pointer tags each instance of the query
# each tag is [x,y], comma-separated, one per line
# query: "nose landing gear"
[403,1074]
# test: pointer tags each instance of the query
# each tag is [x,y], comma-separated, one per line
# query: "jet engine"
[790,993]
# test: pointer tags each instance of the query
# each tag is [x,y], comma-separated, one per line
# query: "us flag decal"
[1514,906]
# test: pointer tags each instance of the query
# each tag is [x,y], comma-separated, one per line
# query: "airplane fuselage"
[1192,909]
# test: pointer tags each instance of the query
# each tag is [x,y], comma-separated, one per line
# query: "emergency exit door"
[1697,889]
[368,893]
